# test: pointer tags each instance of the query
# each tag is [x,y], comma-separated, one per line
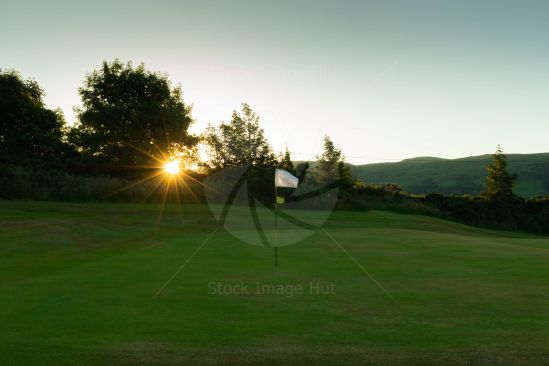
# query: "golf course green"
[120,284]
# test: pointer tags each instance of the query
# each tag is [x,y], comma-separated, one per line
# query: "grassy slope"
[458,176]
[77,282]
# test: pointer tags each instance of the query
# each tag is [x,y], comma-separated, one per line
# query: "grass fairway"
[78,280]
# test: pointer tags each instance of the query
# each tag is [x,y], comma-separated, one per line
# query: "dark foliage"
[46,184]
[239,142]
[285,163]
[29,132]
[499,182]
[129,115]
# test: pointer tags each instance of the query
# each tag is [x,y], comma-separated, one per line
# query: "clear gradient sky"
[386,80]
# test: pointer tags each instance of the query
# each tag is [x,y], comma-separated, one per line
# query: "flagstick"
[276,225]
[286,180]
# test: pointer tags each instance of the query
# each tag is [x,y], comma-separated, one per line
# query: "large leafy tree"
[129,115]
[499,181]
[241,141]
[28,130]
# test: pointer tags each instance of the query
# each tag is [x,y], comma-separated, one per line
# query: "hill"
[457,176]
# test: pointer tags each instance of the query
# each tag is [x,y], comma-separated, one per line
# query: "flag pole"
[276,223]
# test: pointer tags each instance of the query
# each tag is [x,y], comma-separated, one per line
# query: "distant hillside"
[457,176]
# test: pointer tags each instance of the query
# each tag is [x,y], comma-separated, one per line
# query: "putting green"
[94,284]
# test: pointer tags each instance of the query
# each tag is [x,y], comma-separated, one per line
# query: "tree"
[241,141]
[130,115]
[499,182]
[285,162]
[331,166]
[28,130]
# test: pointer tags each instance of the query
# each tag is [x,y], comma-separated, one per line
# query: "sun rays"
[172,167]
[168,176]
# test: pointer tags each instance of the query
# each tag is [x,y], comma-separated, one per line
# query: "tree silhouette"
[28,130]
[331,166]
[130,114]
[499,182]
[285,162]
[241,141]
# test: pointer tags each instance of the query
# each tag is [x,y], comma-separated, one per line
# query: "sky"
[386,80]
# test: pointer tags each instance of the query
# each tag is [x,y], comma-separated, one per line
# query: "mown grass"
[78,283]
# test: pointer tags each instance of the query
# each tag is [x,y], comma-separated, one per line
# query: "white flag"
[285,179]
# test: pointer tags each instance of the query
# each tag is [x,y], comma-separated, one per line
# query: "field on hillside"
[426,175]
[78,285]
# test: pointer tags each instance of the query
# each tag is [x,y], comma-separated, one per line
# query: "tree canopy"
[499,182]
[28,130]
[285,162]
[331,167]
[129,115]
[241,141]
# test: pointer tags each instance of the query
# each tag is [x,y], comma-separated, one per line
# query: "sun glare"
[172,167]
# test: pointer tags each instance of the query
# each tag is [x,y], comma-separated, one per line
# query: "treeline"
[496,208]
[516,214]
[132,121]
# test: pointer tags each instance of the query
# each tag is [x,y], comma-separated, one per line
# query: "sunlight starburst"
[172,167]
